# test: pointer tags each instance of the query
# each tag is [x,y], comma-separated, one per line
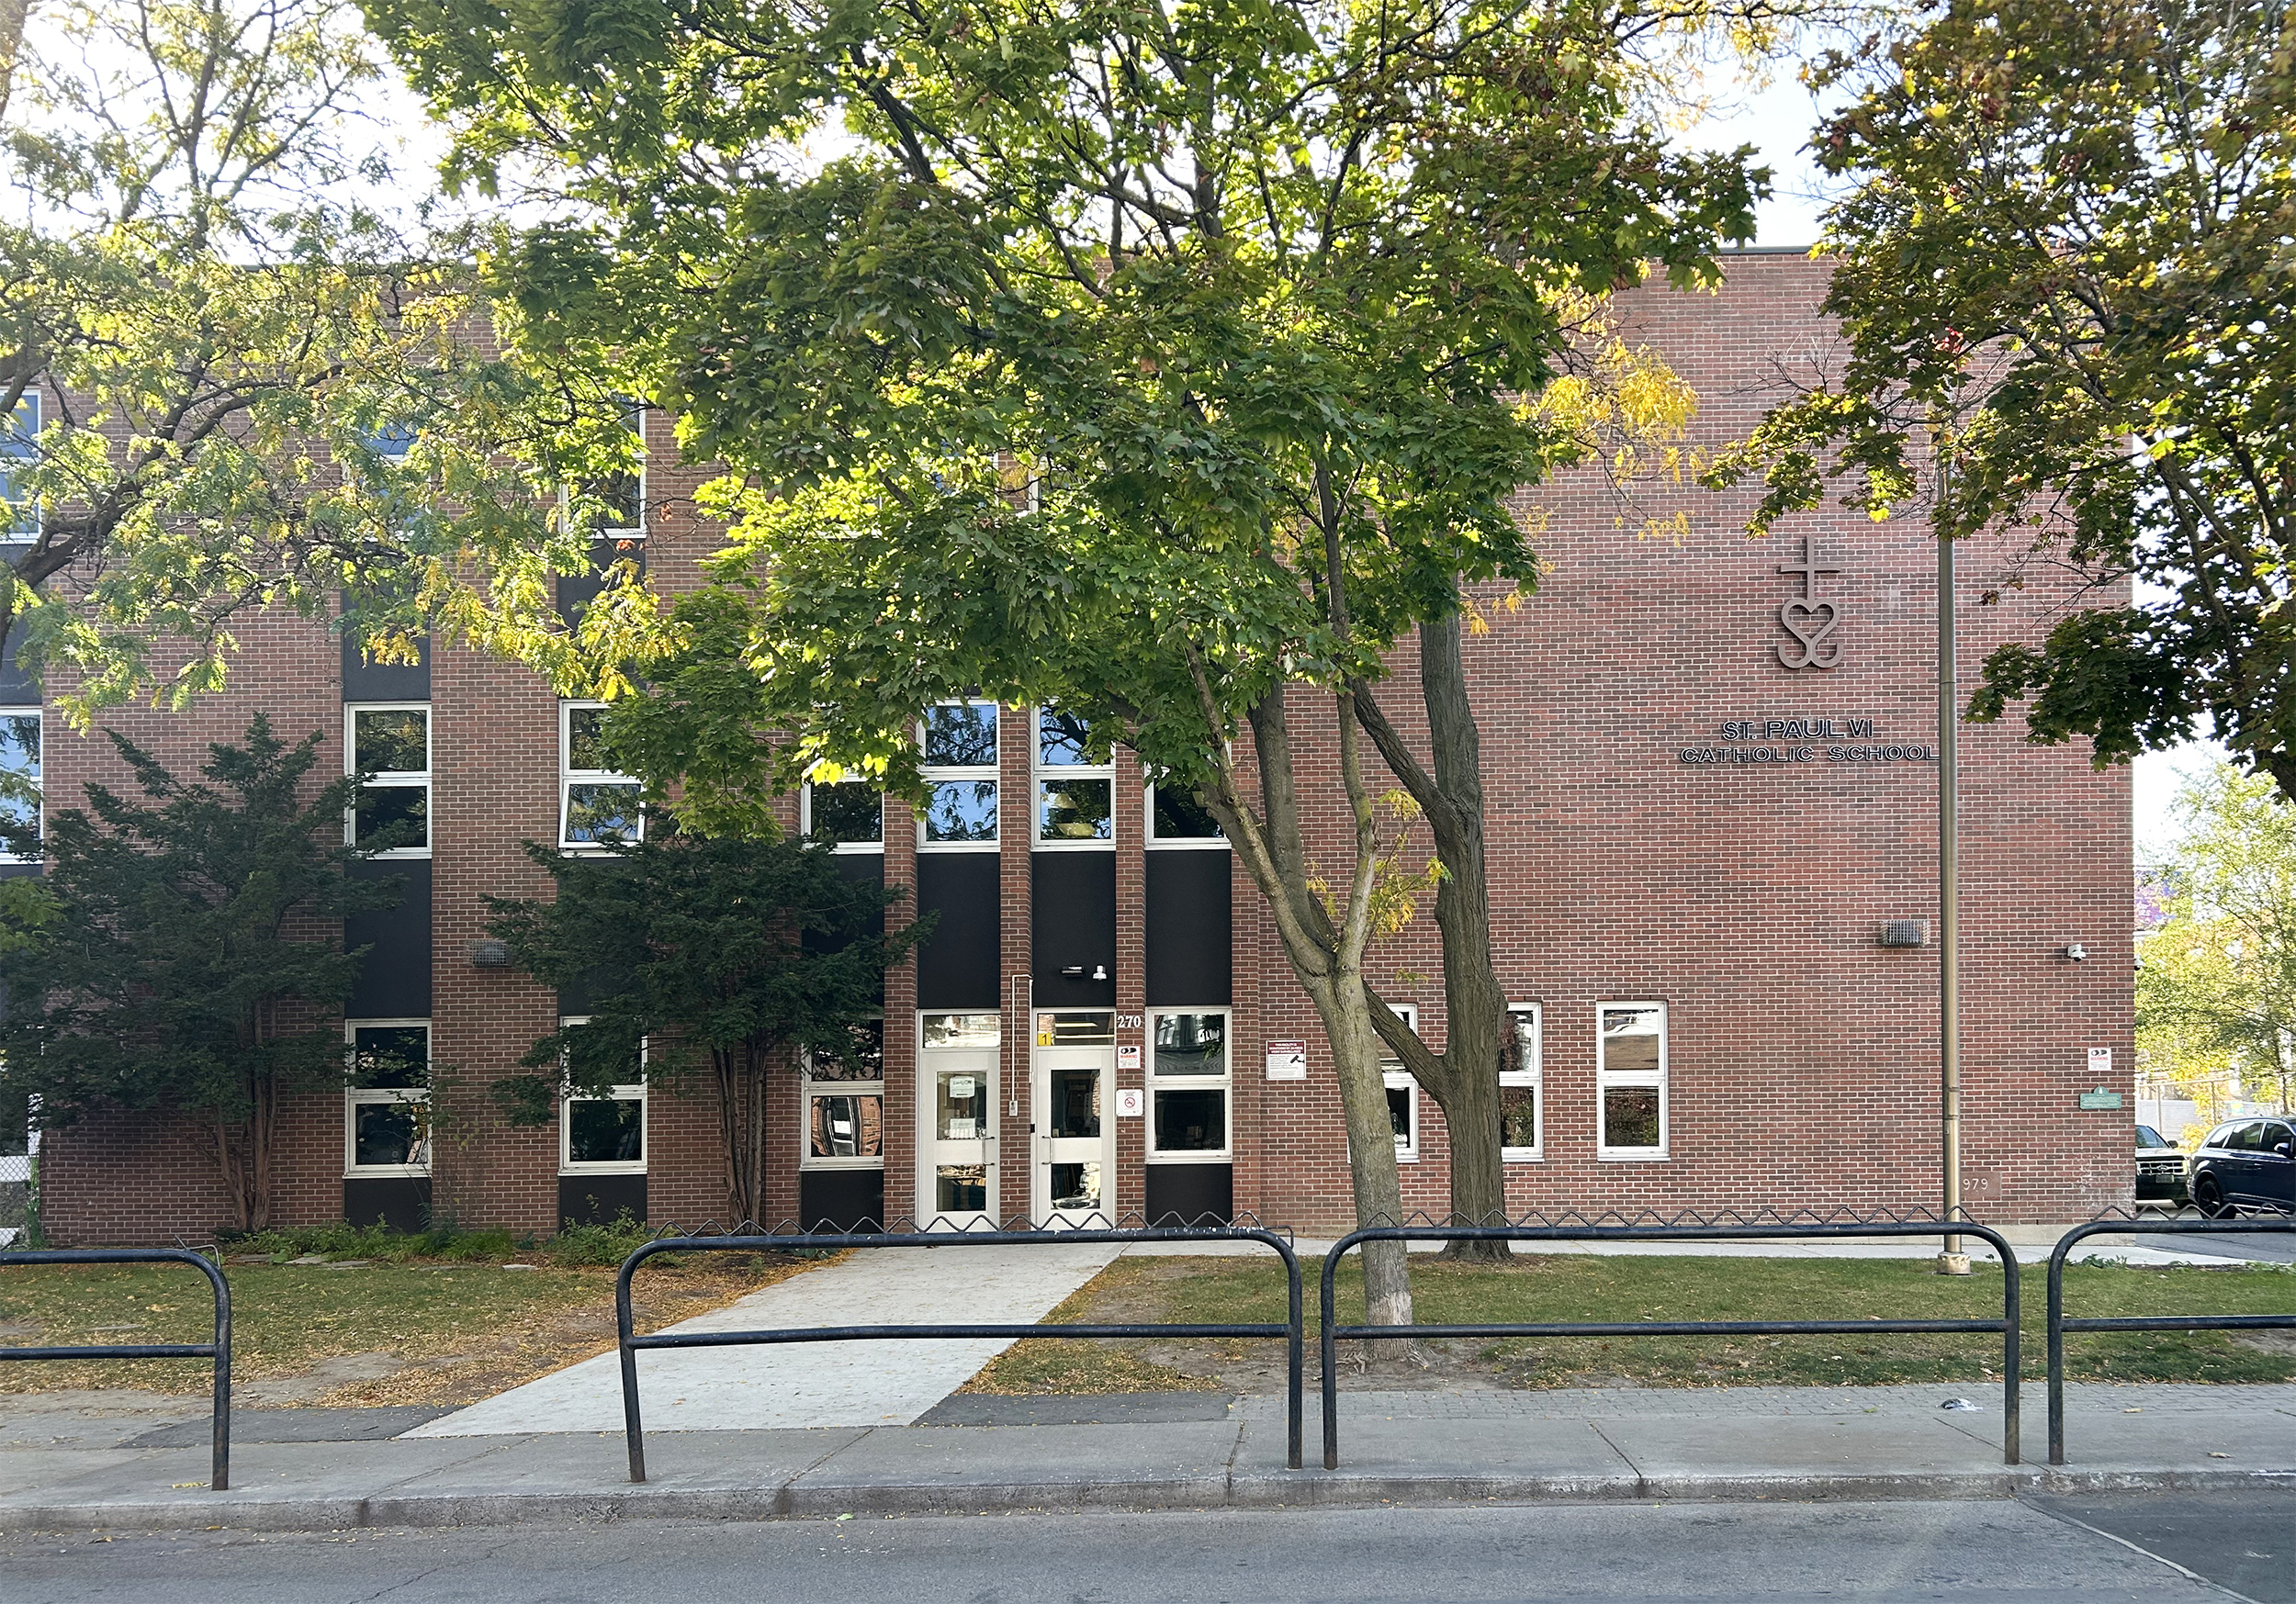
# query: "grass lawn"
[410,1333]
[1591,1287]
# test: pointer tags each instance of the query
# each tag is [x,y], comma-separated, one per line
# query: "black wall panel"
[395,980]
[601,1199]
[1073,927]
[1191,1195]
[395,1203]
[366,682]
[1190,928]
[868,870]
[958,967]
[841,1200]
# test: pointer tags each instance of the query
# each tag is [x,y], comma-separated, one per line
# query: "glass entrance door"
[1073,1065]
[956,1101]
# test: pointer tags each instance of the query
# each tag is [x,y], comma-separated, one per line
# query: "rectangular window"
[1402,1095]
[1522,1090]
[390,745]
[19,509]
[1176,819]
[962,1030]
[20,793]
[603,1136]
[959,742]
[1074,794]
[1190,1085]
[597,807]
[851,813]
[387,1097]
[1078,1028]
[844,1105]
[617,510]
[1630,1080]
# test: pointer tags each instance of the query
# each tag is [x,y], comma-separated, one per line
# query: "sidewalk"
[1148,1450]
[810,1383]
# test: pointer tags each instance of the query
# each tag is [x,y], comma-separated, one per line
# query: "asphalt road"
[1778,1554]
[2266,1247]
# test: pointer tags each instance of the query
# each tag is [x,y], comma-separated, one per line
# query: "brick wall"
[1804,1056]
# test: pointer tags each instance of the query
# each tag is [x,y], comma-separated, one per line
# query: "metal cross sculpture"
[1810,619]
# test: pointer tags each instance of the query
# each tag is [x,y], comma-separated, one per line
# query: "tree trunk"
[733,1127]
[263,1122]
[1328,961]
[1379,1189]
[1464,1078]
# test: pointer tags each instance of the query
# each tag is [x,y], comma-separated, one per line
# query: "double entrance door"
[1071,1131]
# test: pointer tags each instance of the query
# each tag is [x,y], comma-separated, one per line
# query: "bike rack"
[2059,1325]
[1591,1231]
[631,1345]
[218,1349]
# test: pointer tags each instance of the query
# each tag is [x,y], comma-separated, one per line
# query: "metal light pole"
[1951,1260]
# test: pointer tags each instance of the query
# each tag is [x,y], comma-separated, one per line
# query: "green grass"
[460,1327]
[1606,1288]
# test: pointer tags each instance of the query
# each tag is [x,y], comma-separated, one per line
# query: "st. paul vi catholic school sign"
[1810,619]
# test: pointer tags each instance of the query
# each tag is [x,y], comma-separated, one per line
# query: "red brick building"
[1713,791]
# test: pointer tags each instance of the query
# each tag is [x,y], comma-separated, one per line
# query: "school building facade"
[1712,776]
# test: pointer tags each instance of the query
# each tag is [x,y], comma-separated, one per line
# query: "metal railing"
[1724,1230]
[632,1344]
[218,1349]
[2139,1225]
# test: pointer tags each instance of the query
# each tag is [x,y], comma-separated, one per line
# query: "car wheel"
[2209,1198]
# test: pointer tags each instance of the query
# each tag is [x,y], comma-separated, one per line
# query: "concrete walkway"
[1423,1447]
[808,1385]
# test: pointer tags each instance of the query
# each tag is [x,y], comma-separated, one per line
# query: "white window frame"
[627,1093]
[1605,1080]
[971,773]
[1173,844]
[570,776]
[1394,1076]
[1040,772]
[353,1098]
[635,418]
[26,507]
[1223,1082]
[804,822]
[809,1089]
[394,779]
[38,780]
[1534,1075]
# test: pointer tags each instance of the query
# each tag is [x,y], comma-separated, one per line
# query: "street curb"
[257,1511]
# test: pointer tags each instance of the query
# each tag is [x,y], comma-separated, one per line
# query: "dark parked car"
[2159,1169]
[2249,1163]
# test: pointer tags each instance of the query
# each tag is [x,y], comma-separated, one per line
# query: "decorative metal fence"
[633,1344]
[1681,1228]
[217,1348]
[2142,1224]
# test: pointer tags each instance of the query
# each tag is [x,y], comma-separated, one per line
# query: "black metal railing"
[2284,1224]
[218,1349]
[1812,1227]
[632,1344]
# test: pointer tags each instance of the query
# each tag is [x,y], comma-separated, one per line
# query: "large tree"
[1168,364]
[173,959]
[2064,263]
[241,368]
[2216,982]
[703,961]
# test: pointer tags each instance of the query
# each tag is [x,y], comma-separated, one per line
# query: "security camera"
[2076,952]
